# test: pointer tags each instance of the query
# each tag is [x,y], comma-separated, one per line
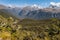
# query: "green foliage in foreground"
[13,29]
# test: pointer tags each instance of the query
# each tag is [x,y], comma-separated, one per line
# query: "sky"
[44,3]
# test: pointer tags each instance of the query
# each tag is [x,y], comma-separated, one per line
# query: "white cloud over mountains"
[35,5]
[12,6]
[55,4]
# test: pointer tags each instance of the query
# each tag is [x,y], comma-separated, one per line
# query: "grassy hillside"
[27,29]
[6,14]
[43,29]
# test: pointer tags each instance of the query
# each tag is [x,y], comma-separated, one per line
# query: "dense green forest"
[27,29]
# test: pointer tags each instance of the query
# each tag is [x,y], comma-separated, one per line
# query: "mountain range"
[31,12]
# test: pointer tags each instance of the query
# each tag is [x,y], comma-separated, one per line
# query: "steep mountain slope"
[5,13]
[26,11]
[44,13]
[8,11]
[31,12]
[14,11]
[3,7]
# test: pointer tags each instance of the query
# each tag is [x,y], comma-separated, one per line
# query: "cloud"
[12,6]
[9,5]
[55,4]
[35,5]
